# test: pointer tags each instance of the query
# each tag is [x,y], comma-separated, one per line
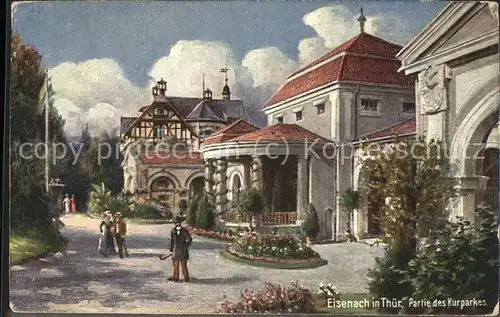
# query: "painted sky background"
[104,56]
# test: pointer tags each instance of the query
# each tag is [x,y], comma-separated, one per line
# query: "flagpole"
[47,165]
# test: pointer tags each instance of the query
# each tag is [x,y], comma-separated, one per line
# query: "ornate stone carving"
[432,83]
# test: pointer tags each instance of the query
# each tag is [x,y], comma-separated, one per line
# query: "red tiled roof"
[405,127]
[170,158]
[281,132]
[239,127]
[364,43]
[234,130]
[365,58]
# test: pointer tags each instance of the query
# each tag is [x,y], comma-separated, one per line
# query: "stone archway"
[467,153]
[196,186]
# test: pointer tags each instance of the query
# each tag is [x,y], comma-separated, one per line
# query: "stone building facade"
[455,59]
[353,90]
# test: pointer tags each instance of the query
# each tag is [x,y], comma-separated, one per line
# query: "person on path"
[73,204]
[112,242]
[106,234]
[121,231]
[67,203]
[180,241]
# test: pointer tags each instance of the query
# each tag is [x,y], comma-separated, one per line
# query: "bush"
[311,223]
[273,299]
[145,212]
[387,275]
[460,263]
[271,246]
[192,209]
[205,216]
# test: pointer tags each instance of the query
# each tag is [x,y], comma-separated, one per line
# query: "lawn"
[22,248]
[349,304]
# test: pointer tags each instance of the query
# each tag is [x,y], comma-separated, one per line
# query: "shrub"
[145,211]
[205,216]
[252,203]
[119,205]
[311,222]
[273,299]
[387,275]
[102,200]
[460,263]
[271,246]
[192,209]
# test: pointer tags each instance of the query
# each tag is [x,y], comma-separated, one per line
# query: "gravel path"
[78,280]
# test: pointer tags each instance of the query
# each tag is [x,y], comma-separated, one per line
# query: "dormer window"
[320,108]
[279,120]
[408,108]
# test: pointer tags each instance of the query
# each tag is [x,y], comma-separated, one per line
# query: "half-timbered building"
[160,146]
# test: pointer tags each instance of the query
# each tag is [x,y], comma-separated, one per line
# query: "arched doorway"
[196,186]
[490,167]
[163,191]
[235,190]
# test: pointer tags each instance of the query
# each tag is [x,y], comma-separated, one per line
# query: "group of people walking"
[113,230]
[69,204]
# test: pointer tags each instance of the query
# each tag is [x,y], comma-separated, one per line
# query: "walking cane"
[164,257]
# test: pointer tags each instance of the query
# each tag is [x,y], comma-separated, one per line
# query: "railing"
[236,217]
[279,218]
[274,218]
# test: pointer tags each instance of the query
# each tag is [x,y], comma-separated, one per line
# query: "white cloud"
[101,93]
[102,115]
[268,66]
[310,49]
[72,114]
[87,86]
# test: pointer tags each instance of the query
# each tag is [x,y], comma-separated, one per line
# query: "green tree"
[311,222]
[414,178]
[349,200]
[192,209]
[205,216]
[252,203]
[31,207]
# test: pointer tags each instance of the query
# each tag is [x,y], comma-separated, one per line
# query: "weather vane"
[225,70]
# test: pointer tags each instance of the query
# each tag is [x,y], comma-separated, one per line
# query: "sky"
[103,57]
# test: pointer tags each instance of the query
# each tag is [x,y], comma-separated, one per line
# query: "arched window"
[236,189]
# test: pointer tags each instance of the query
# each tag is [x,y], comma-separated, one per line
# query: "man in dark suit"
[180,240]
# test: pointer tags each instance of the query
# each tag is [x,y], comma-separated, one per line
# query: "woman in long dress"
[106,234]
[67,204]
[73,204]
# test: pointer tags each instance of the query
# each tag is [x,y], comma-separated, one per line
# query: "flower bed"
[275,251]
[283,246]
[274,299]
[222,236]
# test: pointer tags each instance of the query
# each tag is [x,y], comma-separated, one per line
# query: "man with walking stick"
[180,241]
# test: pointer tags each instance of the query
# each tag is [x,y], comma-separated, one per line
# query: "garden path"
[78,280]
